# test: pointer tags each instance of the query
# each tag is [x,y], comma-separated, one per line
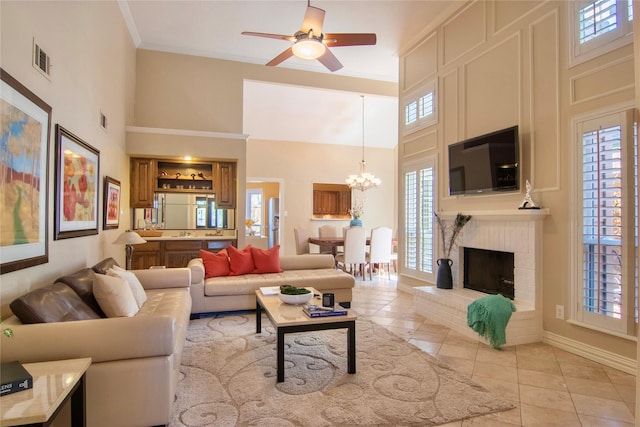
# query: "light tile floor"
[551,387]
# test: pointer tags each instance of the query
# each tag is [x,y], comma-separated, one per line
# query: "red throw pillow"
[240,261]
[266,261]
[215,265]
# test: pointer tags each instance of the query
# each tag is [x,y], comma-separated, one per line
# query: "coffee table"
[287,318]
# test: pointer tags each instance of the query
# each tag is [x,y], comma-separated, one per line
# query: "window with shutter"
[419,200]
[609,226]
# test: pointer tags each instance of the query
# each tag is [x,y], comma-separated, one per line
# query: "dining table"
[334,242]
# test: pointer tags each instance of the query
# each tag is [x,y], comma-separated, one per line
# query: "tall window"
[419,199]
[609,232]
[420,108]
[600,26]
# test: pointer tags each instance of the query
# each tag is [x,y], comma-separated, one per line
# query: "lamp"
[365,180]
[308,48]
[129,238]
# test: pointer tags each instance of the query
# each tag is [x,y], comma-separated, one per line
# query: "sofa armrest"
[101,339]
[197,270]
[162,278]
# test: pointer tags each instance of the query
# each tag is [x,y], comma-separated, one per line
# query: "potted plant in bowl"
[449,233]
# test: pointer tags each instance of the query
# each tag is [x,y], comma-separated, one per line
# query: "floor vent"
[41,60]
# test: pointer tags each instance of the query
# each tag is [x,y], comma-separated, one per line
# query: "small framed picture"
[77,186]
[111,214]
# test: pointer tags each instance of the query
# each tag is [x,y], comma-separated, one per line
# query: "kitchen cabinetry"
[174,253]
[146,255]
[178,253]
[226,185]
[328,202]
[142,182]
[174,176]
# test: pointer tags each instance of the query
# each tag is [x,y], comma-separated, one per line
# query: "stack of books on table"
[14,377]
[319,311]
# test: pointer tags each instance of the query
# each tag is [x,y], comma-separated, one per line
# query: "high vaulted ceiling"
[212,28]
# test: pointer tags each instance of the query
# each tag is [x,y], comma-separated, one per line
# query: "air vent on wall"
[103,121]
[41,60]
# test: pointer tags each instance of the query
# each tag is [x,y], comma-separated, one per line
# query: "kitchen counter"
[196,237]
[170,251]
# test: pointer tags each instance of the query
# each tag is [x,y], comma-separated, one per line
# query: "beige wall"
[203,94]
[93,68]
[299,165]
[504,63]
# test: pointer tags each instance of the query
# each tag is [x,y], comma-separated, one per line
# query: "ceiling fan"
[311,43]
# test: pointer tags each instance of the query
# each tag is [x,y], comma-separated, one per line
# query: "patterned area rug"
[229,378]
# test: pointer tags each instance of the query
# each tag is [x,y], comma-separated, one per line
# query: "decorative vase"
[355,222]
[444,279]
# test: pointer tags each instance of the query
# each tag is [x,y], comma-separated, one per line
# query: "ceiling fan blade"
[269,36]
[283,56]
[349,39]
[330,61]
[313,20]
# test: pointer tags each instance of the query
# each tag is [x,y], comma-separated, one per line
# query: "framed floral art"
[77,186]
[111,215]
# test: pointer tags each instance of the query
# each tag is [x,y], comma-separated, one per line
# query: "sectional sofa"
[135,360]
[237,292]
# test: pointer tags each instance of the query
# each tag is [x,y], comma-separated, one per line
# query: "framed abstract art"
[24,172]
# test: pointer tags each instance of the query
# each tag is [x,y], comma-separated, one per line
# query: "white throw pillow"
[136,287]
[114,296]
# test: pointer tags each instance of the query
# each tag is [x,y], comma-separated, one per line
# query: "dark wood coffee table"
[287,318]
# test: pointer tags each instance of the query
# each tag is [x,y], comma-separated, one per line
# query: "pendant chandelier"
[364,180]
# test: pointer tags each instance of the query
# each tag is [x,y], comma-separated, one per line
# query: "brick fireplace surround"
[517,231]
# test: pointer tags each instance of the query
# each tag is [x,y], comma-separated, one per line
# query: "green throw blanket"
[489,316]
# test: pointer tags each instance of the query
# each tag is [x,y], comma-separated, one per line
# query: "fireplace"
[515,231]
[489,271]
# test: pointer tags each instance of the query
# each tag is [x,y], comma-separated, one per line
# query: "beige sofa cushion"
[249,283]
[114,296]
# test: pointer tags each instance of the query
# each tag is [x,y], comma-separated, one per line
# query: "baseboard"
[607,358]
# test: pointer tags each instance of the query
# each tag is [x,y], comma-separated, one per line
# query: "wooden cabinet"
[178,253]
[226,185]
[142,176]
[344,202]
[329,202]
[174,253]
[172,176]
[146,255]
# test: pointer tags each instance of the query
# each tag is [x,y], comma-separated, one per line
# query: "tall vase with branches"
[449,233]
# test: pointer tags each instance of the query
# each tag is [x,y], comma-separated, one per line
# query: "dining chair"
[327,231]
[302,240]
[355,242]
[380,249]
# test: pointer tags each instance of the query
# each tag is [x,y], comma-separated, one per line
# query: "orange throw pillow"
[215,265]
[267,261]
[240,261]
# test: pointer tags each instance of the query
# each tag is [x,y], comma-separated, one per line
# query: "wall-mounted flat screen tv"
[486,163]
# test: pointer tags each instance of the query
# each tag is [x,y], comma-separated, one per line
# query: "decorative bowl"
[295,299]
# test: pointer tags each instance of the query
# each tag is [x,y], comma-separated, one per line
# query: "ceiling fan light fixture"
[309,48]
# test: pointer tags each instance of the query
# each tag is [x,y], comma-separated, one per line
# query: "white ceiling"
[212,28]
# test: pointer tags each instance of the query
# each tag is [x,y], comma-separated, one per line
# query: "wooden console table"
[54,383]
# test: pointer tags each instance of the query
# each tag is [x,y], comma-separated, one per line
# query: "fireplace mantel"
[518,231]
[504,215]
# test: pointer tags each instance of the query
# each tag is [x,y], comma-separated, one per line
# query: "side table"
[54,383]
